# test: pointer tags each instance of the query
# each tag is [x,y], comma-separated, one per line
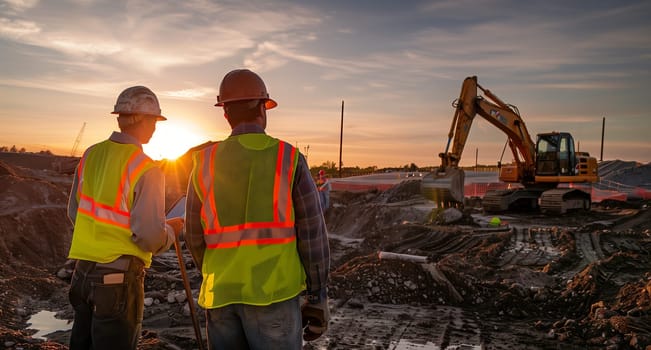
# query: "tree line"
[14,149]
[331,169]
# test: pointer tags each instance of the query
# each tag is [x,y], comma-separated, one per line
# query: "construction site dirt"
[400,277]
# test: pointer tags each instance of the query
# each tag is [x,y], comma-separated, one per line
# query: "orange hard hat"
[243,84]
[138,100]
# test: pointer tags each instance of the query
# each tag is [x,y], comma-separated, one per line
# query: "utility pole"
[341,136]
[603,128]
[476,157]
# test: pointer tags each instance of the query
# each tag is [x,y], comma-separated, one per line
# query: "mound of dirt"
[36,235]
[626,172]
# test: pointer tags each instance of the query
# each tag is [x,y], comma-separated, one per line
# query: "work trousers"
[324,198]
[244,327]
[108,301]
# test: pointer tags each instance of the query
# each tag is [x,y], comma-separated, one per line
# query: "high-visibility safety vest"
[107,174]
[245,186]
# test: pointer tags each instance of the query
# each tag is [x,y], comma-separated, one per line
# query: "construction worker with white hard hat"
[255,227]
[117,207]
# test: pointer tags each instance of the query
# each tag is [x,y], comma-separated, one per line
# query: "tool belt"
[123,263]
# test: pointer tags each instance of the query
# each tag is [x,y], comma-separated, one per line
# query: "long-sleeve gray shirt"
[311,232]
[148,228]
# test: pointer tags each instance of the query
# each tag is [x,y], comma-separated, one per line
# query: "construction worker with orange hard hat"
[117,207]
[254,227]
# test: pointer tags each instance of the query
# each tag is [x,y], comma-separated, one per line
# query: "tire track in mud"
[438,243]
[405,327]
[637,219]
[588,247]
[529,248]
[401,327]
[534,247]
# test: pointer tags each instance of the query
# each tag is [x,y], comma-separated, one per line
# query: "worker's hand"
[315,315]
[177,225]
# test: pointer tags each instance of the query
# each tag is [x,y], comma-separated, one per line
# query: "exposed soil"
[576,281]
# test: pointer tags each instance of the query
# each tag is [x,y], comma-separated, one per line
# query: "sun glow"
[171,140]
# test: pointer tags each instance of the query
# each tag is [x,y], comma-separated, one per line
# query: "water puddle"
[45,323]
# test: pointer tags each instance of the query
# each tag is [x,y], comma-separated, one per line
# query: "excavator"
[543,173]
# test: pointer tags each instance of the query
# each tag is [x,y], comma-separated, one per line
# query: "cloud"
[155,36]
[16,29]
[191,94]
[578,85]
[79,47]
[54,83]
[20,5]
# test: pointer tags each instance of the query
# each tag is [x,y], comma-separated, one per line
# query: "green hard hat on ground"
[495,221]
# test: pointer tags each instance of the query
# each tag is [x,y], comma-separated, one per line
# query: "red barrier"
[602,195]
[642,193]
[359,187]
[479,189]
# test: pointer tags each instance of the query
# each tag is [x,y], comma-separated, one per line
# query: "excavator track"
[560,200]
[553,201]
[498,201]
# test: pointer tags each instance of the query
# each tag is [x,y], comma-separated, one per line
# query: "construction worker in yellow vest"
[117,206]
[255,228]
[324,187]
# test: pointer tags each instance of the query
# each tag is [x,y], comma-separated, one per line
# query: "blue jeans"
[240,326]
[324,197]
[107,315]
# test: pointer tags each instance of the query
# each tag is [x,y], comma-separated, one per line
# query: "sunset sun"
[171,140]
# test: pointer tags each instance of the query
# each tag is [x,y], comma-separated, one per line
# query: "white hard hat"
[138,100]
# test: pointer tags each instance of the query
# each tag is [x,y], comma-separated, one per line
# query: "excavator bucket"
[444,187]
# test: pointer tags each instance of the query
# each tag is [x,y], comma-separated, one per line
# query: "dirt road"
[577,281]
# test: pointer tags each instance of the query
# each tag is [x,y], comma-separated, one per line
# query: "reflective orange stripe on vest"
[118,214]
[279,231]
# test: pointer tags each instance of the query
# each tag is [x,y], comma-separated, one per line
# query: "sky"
[396,66]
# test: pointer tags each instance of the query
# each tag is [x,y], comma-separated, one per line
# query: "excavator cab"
[555,155]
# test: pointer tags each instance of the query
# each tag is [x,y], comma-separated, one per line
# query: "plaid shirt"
[311,231]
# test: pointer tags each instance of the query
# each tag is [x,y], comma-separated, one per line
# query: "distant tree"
[22,150]
[4,149]
[370,169]
[13,149]
[329,165]
[413,167]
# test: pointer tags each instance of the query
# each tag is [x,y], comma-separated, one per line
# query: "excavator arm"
[495,111]
[445,184]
